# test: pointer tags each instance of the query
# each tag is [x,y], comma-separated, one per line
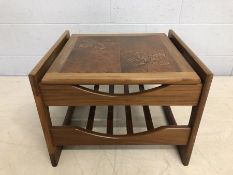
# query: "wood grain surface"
[62,95]
[120,59]
[172,135]
[105,56]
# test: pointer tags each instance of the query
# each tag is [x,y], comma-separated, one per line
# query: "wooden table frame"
[59,95]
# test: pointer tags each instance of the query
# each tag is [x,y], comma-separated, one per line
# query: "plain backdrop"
[28,28]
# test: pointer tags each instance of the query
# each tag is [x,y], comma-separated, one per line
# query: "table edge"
[122,78]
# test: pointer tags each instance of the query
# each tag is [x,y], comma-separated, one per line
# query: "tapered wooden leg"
[206,77]
[185,151]
[45,120]
[35,78]
[54,157]
[194,122]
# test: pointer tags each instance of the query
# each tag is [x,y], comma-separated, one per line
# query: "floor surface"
[23,149]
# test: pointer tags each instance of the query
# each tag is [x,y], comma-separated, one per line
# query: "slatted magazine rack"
[132,59]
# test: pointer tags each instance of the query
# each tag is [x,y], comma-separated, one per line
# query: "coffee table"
[180,77]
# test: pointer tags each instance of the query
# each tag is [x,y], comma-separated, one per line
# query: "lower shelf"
[73,135]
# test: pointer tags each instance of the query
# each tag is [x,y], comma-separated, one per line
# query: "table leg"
[185,151]
[45,120]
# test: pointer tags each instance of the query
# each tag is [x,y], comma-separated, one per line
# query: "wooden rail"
[175,135]
[167,95]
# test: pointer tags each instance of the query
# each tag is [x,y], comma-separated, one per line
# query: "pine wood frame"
[58,136]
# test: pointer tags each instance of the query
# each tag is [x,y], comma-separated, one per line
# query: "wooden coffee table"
[181,79]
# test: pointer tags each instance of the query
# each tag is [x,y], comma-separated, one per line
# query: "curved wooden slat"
[176,135]
[62,95]
[96,92]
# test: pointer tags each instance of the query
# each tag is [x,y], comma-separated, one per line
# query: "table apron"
[167,95]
